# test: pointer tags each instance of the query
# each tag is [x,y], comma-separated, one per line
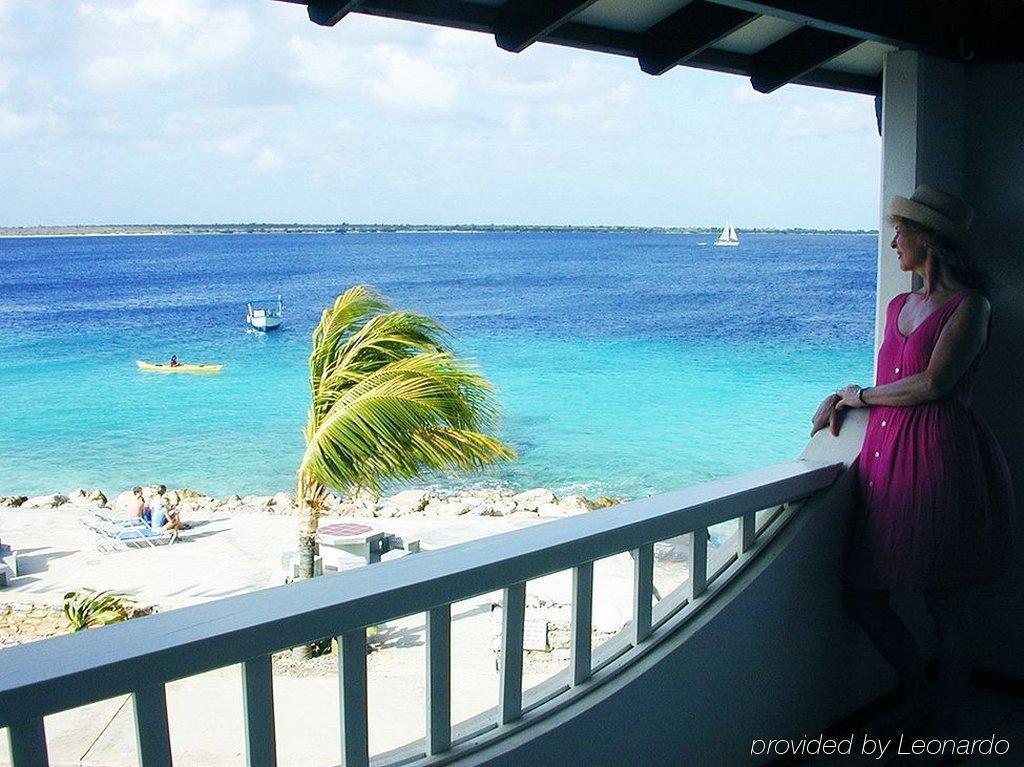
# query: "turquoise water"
[627,364]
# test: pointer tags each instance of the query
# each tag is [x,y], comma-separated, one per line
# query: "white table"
[363,539]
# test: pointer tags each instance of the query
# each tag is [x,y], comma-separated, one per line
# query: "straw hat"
[944,213]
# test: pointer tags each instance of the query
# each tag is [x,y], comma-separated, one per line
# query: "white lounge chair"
[107,519]
[120,537]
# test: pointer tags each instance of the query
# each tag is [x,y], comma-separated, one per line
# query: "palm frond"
[382,339]
[445,448]
[389,337]
[389,400]
[350,310]
[369,428]
[459,395]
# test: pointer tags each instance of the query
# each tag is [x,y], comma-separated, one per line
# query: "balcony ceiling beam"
[903,23]
[327,13]
[476,17]
[521,23]
[963,30]
[795,55]
[685,33]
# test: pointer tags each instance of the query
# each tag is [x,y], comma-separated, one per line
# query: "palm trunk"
[310,500]
[309,496]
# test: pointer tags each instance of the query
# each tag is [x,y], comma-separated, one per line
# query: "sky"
[206,111]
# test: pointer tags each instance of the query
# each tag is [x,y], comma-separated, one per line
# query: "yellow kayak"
[184,367]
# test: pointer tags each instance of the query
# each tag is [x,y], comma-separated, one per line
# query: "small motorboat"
[183,367]
[264,314]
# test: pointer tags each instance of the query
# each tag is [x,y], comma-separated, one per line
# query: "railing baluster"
[151,726]
[748,531]
[582,621]
[513,615]
[27,741]
[258,700]
[439,684]
[643,591]
[355,741]
[698,562]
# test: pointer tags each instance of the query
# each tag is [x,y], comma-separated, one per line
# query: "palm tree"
[389,401]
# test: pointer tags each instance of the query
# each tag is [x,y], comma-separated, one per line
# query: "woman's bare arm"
[960,342]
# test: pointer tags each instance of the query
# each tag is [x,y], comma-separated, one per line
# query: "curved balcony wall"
[772,656]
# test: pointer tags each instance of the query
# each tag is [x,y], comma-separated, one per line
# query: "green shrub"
[88,608]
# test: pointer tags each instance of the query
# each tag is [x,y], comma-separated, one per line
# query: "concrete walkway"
[228,555]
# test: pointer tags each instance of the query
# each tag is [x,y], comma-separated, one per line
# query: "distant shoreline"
[118,230]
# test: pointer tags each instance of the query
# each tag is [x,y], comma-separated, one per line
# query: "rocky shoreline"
[428,502]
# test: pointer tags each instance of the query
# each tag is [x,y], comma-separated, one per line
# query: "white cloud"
[410,83]
[233,144]
[32,105]
[547,82]
[744,93]
[268,160]
[459,43]
[517,120]
[158,41]
[6,76]
[15,125]
[389,74]
[827,118]
[321,63]
[5,12]
[107,125]
[430,77]
[225,137]
[416,121]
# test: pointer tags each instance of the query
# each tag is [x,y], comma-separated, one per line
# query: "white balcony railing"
[140,656]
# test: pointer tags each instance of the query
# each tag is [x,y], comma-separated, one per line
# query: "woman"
[163,517]
[934,485]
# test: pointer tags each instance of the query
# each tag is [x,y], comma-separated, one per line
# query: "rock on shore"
[430,502]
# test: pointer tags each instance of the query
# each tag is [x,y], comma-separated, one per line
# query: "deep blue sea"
[627,364]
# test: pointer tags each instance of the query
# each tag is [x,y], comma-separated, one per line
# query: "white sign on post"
[535,634]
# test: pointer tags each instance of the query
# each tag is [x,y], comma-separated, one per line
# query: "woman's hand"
[850,396]
[826,416]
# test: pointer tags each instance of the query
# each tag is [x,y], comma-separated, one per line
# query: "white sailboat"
[728,237]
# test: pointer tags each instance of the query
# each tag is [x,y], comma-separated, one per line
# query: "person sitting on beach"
[137,505]
[163,517]
[174,361]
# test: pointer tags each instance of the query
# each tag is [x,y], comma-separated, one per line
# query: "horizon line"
[344,226]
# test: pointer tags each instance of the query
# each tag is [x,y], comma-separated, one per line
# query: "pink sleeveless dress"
[935,490]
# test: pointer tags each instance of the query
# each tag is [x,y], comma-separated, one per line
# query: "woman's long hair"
[951,254]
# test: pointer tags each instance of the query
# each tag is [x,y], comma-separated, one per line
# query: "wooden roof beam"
[327,13]
[795,55]
[682,35]
[902,23]
[477,17]
[521,23]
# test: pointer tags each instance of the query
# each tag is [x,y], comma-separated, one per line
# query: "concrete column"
[922,143]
